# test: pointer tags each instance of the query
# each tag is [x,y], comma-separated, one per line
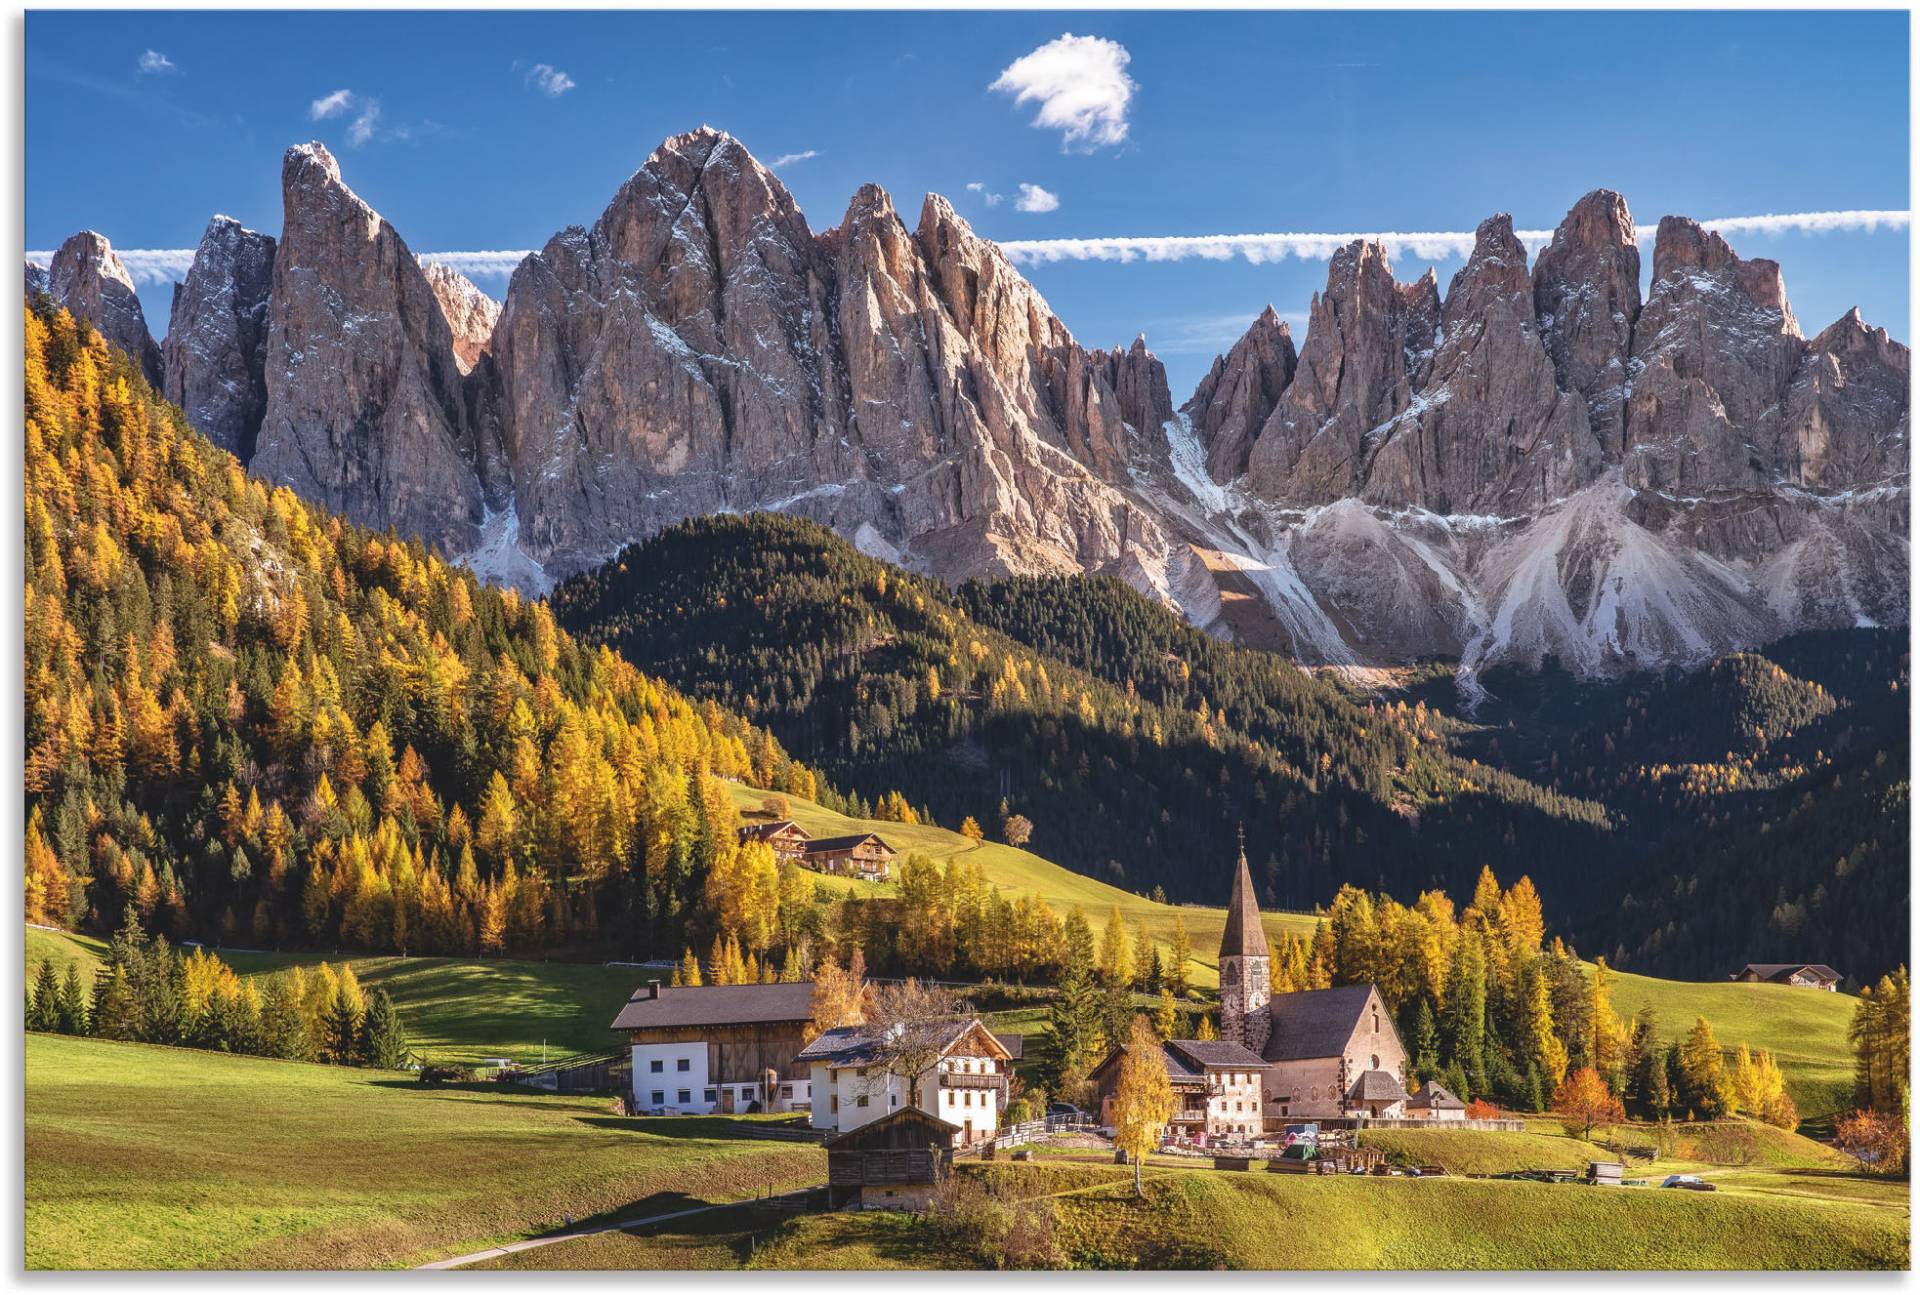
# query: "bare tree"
[910,1026]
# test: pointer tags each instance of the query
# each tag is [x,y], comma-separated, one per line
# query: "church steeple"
[1246,973]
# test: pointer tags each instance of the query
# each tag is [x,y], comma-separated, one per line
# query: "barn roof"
[874,1130]
[1781,970]
[1312,1023]
[821,845]
[656,1006]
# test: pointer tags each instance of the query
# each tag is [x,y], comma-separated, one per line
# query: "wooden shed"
[893,1163]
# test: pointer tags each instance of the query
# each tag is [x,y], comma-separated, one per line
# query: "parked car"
[1064,1111]
[1689,1182]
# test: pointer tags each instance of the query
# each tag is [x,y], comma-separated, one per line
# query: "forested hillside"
[249,720]
[1138,762]
[1138,745]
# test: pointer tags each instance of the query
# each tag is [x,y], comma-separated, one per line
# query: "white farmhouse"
[718,1048]
[855,1078]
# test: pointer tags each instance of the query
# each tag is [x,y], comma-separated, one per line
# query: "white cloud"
[1435,245]
[788,159]
[991,199]
[158,265]
[1034,198]
[144,264]
[1081,85]
[549,79]
[476,265]
[362,128]
[331,105]
[154,61]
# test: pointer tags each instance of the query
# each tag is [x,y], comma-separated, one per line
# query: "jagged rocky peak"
[216,345]
[1139,381]
[365,410]
[1488,430]
[471,313]
[38,280]
[1368,339]
[1848,411]
[88,279]
[1586,295]
[1714,351]
[1238,394]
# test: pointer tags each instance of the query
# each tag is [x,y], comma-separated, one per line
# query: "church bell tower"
[1246,972]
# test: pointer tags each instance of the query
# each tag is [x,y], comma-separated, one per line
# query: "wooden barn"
[718,1048]
[894,1163]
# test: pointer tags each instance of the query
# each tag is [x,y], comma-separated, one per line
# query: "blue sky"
[141,125]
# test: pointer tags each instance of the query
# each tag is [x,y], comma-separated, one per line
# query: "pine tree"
[283,1034]
[1182,955]
[343,1027]
[1705,1089]
[383,1044]
[73,1003]
[116,1009]
[43,1000]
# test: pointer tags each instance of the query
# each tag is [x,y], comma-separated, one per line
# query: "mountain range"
[1540,464]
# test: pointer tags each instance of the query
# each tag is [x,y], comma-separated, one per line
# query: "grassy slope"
[1019,872]
[157,1157]
[1205,1218]
[454,1010]
[1806,1030]
[466,1011]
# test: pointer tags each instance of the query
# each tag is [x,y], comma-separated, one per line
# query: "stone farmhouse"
[864,855]
[853,1083]
[1328,1053]
[1217,1088]
[1807,975]
[718,1048]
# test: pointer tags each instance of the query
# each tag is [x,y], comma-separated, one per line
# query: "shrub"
[1877,1138]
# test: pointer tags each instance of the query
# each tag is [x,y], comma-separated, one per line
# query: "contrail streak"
[161,265]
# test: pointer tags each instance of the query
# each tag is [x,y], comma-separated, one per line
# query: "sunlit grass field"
[148,1157]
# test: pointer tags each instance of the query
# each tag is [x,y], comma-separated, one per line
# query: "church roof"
[1244,935]
[1310,1023]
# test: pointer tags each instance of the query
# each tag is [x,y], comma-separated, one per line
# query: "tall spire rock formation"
[1586,295]
[1367,340]
[365,409]
[88,279]
[216,347]
[1238,395]
[1488,431]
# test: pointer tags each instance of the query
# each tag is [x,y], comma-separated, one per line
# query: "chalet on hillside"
[894,1162]
[788,839]
[719,1048]
[1216,1088]
[1807,975]
[864,855]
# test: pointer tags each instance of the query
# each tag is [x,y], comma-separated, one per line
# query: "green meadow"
[147,1157]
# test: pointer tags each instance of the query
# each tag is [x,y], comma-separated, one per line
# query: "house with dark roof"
[855,1076]
[788,839]
[718,1048]
[1329,1053]
[1807,975]
[1216,1088]
[864,855]
[892,1163]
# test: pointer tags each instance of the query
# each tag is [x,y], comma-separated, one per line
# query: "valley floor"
[140,1156]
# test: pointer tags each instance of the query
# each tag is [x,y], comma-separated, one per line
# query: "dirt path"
[554,1238]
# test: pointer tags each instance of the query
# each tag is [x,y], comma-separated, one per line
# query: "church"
[1329,1053]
